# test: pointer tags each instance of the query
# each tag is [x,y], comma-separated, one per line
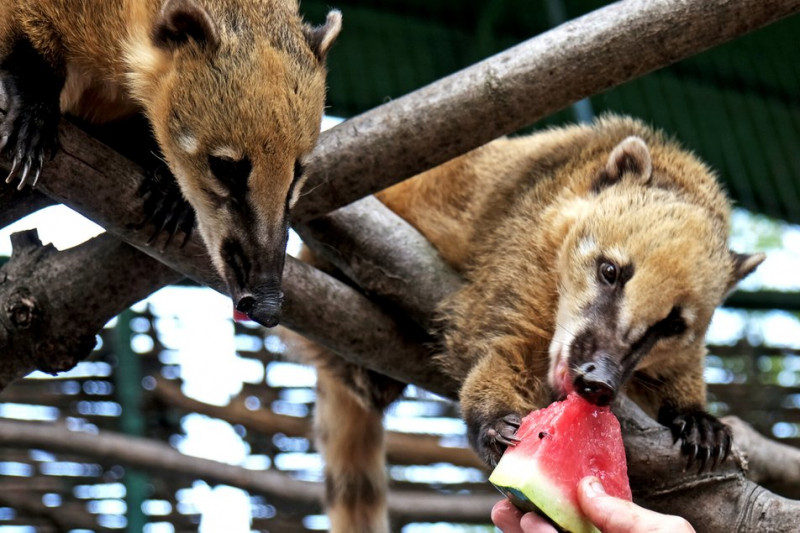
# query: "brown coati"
[593,257]
[233,90]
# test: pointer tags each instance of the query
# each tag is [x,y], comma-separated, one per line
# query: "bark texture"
[16,204]
[769,463]
[54,302]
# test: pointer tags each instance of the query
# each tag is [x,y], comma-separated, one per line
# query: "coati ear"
[320,38]
[181,20]
[743,266]
[631,156]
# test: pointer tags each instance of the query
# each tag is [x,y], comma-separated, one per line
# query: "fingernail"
[592,487]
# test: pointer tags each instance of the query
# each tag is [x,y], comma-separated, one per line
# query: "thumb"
[615,515]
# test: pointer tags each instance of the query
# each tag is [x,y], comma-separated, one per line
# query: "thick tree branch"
[371,245]
[16,204]
[102,185]
[769,463]
[163,460]
[515,88]
[722,500]
[45,293]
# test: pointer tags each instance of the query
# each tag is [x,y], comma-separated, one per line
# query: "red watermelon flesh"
[559,446]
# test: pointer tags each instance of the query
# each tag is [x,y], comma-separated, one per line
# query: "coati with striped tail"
[233,90]
[593,257]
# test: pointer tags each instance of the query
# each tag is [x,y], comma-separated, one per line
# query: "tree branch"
[16,204]
[515,88]
[769,463]
[722,500]
[401,448]
[55,302]
[103,186]
[163,460]
[370,244]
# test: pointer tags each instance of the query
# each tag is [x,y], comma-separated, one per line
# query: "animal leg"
[494,398]
[29,128]
[165,208]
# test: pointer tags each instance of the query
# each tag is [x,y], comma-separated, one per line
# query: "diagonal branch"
[103,186]
[16,204]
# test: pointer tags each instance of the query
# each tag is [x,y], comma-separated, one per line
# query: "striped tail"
[350,436]
[349,433]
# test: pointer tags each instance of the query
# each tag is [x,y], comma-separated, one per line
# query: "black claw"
[703,455]
[507,441]
[186,225]
[29,128]
[513,420]
[491,436]
[728,444]
[701,435]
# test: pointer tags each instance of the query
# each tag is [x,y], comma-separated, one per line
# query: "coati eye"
[609,272]
[230,172]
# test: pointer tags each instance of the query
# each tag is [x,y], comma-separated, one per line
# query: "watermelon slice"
[559,446]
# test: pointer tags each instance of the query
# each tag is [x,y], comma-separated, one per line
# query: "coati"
[593,258]
[233,90]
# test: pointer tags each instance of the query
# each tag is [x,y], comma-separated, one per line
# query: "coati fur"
[233,90]
[593,258]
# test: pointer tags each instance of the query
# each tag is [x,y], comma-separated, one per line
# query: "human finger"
[534,523]
[615,515]
[506,517]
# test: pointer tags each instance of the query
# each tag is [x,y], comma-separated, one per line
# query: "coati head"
[235,93]
[640,272]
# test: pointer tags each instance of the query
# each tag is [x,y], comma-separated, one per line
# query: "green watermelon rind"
[541,493]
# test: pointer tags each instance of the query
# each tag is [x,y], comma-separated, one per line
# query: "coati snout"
[254,277]
[597,381]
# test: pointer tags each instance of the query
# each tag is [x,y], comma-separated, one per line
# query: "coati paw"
[703,437]
[165,209]
[495,436]
[28,135]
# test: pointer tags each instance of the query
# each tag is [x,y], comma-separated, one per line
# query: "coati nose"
[266,314]
[263,305]
[595,383]
[246,304]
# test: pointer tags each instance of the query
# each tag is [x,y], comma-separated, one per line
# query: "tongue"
[238,316]
[563,385]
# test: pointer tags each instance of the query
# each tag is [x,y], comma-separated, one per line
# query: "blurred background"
[176,369]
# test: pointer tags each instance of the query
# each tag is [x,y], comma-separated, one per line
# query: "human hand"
[609,514]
